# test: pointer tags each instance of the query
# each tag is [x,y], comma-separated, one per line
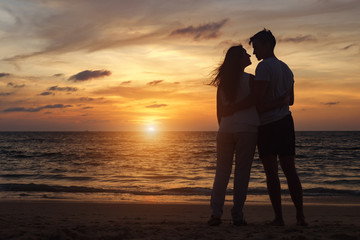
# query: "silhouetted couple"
[254,111]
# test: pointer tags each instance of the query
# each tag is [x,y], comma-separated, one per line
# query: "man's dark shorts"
[277,138]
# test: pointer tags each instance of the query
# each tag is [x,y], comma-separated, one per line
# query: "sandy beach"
[109,220]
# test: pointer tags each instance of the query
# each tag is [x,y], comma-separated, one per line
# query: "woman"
[237,133]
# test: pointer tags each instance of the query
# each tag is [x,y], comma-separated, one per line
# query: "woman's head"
[228,73]
[235,61]
[237,58]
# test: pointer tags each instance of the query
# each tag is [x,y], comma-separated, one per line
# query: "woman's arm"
[244,103]
[286,99]
[292,97]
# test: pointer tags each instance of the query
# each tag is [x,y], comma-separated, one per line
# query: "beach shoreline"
[54,219]
[184,200]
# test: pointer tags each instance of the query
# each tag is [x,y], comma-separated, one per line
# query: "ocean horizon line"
[142,131]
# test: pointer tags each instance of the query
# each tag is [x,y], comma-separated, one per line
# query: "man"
[276,135]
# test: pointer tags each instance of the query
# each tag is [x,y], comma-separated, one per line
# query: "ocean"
[158,166]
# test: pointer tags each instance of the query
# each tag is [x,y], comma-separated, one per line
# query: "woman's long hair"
[228,73]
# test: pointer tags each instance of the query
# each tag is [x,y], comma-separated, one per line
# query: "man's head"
[263,43]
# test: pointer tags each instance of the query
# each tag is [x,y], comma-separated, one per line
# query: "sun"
[151,129]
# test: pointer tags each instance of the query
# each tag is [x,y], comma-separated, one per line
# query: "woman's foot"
[214,221]
[276,222]
[240,222]
[301,222]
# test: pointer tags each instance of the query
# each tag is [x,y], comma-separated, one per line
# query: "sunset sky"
[119,65]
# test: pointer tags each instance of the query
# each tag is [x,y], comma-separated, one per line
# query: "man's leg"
[294,184]
[273,185]
[287,162]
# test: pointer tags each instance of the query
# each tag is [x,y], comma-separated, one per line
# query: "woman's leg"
[245,149]
[225,146]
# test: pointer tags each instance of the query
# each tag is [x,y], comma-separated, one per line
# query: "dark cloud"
[11,84]
[88,107]
[52,89]
[88,74]
[349,46]
[298,39]
[63,89]
[22,109]
[58,75]
[205,31]
[46,93]
[126,82]
[331,103]
[4,75]
[88,99]
[5,94]
[156,82]
[157,106]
